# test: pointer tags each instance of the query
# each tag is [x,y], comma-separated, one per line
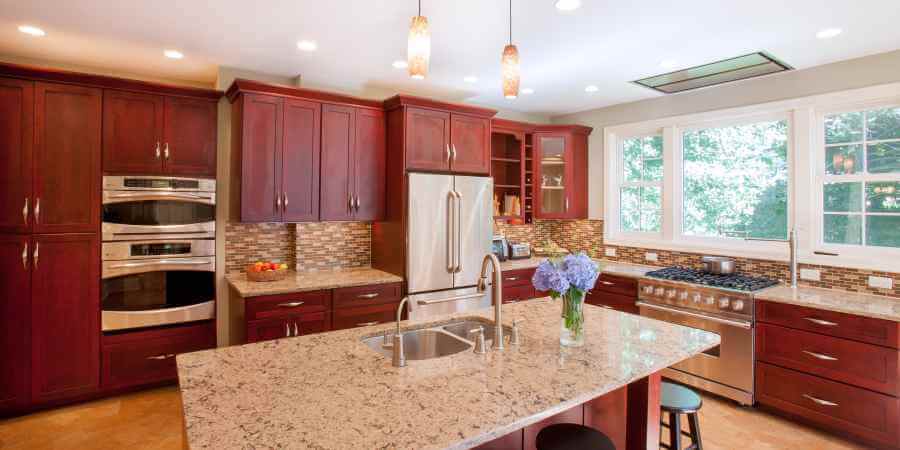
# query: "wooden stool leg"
[694,424]
[675,431]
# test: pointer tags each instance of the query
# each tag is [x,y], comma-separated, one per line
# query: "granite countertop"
[311,281]
[860,304]
[330,391]
[610,267]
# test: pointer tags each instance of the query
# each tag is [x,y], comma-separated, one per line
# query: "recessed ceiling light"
[174,54]
[829,33]
[34,31]
[400,64]
[568,5]
[471,79]
[591,88]
[307,46]
[528,91]
[668,64]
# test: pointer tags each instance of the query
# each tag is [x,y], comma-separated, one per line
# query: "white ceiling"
[606,43]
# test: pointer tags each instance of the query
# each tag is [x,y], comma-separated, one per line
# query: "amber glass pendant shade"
[510,69]
[418,48]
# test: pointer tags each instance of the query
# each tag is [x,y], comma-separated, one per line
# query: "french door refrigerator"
[450,227]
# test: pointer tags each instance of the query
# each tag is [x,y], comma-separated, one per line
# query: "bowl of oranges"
[267,271]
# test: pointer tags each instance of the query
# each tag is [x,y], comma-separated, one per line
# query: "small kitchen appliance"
[520,250]
[500,248]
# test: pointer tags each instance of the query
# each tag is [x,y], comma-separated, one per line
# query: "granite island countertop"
[310,281]
[856,303]
[330,391]
[610,267]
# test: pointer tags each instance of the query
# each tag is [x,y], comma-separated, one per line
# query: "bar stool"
[677,400]
[571,436]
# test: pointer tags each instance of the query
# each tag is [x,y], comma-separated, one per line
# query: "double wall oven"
[158,251]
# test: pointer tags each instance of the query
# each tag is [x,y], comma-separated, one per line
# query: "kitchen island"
[331,391]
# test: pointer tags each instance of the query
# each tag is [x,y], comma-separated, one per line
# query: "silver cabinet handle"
[165,356]
[512,278]
[25,255]
[356,203]
[37,210]
[450,237]
[285,200]
[448,153]
[453,152]
[368,324]
[290,305]
[296,329]
[37,254]
[157,150]
[820,401]
[277,202]
[25,212]
[287,329]
[370,295]
[350,202]
[607,283]
[820,356]
[160,262]
[824,323]
[166,151]
[567,204]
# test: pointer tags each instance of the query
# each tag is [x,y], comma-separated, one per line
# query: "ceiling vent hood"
[725,71]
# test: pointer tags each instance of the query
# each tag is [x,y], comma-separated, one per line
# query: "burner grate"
[733,281]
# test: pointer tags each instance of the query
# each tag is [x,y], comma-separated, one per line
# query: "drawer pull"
[819,401]
[512,278]
[290,305]
[166,356]
[371,295]
[287,329]
[368,324]
[820,356]
[607,283]
[824,323]
[296,329]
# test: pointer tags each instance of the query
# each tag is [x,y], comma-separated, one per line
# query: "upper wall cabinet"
[149,134]
[560,167]
[441,137]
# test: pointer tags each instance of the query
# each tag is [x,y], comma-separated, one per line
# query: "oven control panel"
[695,297]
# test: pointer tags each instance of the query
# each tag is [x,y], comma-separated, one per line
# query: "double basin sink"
[436,341]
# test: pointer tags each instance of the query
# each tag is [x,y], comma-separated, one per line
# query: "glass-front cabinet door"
[553,164]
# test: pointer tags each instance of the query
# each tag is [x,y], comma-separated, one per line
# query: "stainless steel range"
[722,304]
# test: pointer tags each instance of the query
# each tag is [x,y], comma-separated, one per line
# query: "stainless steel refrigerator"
[450,227]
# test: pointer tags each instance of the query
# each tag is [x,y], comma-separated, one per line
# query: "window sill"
[770,251]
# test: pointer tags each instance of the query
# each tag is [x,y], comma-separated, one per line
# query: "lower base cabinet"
[290,326]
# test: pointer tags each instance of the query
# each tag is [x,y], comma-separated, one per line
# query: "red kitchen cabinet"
[300,161]
[15,326]
[66,159]
[132,132]
[560,174]
[189,137]
[338,140]
[289,326]
[369,155]
[16,141]
[257,132]
[470,144]
[427,139]
[65,316]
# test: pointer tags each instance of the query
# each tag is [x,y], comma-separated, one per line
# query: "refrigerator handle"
[458,237]
[451,236]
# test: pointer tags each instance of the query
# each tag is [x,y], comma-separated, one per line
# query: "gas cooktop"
[733,281]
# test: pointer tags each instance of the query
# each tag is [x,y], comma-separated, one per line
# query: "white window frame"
[621,183]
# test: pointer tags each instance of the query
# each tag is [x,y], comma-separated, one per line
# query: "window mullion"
[671,184]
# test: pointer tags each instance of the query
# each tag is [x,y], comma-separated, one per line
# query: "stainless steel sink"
[463,328]
[421,344]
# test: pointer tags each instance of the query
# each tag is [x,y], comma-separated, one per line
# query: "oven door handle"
[160,262]
[159,195]
[733,323]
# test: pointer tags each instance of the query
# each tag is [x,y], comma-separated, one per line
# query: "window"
[861,181]
[735,180]
[640,191]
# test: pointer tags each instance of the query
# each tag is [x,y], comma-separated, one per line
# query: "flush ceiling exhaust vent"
[725,71]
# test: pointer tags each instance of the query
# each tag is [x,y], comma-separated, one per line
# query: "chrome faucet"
[496,293]
[791,241]
[399,358]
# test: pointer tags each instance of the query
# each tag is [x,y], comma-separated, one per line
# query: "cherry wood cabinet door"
[338,136]
[470,141]
[15,326]
[66,159]
[427,139]
[552,176]
[261,142]
[16,140]
[132,133]
[189,143]
[300,160]
[370,155]
[65,316]
[313,323]
[269,329]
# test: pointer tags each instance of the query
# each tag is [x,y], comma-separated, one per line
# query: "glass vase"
[571,330]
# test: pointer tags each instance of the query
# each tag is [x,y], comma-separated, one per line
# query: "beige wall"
[850,74]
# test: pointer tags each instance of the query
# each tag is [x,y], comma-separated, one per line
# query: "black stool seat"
[571,436]
[680,399]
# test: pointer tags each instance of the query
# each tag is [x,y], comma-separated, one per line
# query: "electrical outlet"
[651,257]
[881,282]
[810,274]
[610,251]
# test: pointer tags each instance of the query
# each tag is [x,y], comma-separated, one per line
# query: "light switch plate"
[651,257]
[610,251]
[810,274]
[881,282]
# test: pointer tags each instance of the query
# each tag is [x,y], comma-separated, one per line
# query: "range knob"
[724,302]
[683,295]
[670,293]
[696,298]
[648,289]
[737,305]
[710,300]
[659,291]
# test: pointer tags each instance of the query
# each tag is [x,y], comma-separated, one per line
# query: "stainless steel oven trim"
[112,269]
[742,397]
[117,183]
[121,232]
[120,320]
[734,323]
[111,197]
[121,250]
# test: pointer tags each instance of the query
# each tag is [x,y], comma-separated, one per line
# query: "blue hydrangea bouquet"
[569,278]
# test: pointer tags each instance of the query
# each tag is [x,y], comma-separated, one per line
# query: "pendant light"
[418,50]
[509,63]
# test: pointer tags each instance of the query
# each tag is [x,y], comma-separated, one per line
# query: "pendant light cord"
[420,7]
[510,22]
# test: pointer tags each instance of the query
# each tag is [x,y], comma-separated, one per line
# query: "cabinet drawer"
[614,301]
[864,329]
[367,295]
[521,277]
[517,293]
[289,326]
[275,306]
[616,285]
[856,363]
[142,357]
[363,316]
[834,406]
